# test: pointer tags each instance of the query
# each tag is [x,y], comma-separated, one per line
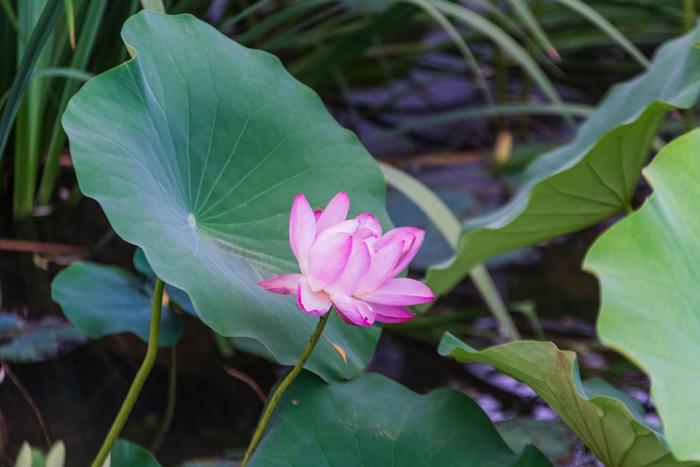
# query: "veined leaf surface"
[195,149]
[648,266]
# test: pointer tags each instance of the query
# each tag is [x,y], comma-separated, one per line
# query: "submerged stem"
[139,380]
[286,382]
[4,367]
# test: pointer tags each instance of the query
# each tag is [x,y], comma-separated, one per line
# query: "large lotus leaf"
[648,265]
[103,300]
[39,340]
[374,421]
[195,149]
[589,179]
[126,454]
[605,424]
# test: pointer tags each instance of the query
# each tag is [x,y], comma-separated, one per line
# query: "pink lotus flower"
[350,264]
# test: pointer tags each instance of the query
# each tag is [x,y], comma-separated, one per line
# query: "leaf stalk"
[139,380]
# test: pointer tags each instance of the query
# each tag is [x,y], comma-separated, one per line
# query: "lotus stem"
[277,394]
[139,380]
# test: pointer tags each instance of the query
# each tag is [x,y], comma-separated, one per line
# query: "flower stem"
[286,382]
[139,380]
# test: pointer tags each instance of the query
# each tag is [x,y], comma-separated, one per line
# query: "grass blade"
[31,112]
[155,5]
[70,21]
[40,35]
[528,18]
[11,16]
[495,110]
[604,25]
[507,44]
[252,9]
[290,13]
[93,19]
[291,36]
[508,24]
[315,67]
[64,72]
[456,37]
[28,141]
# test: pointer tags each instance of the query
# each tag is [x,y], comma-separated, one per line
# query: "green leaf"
[589,179]
[648,266]
[195,150]
[372,420]
[25,341]
[126,454]
[104,300]
[605,424]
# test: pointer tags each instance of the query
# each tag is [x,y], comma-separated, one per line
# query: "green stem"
[482,279]
[139,380]
[277,394]
[688,24]
[688,15]
[170,407]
